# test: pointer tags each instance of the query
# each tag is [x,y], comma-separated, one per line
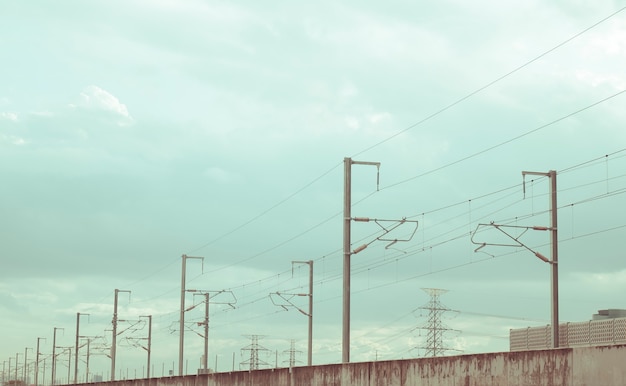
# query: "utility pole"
[347,217]
[206,332]
[37,363]
[208,295]
[149,348]
[181,341]
[554,241]
[16,362]
[114,340]
[310,313]
[78,314]
[87,361]
[25,372]
[69,362]
[554,266]
[54,357]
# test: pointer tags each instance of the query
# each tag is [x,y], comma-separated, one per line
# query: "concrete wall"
[584,366]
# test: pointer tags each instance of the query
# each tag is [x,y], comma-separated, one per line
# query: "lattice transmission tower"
[254,363]
[292,354]
[435,328]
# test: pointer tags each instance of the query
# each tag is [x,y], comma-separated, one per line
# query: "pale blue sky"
[134,132]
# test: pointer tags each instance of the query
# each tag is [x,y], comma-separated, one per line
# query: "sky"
[133,133]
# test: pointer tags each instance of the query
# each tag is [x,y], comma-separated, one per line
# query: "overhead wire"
[261,214]
[395,135]
[500,144]
[491,83]
[422,249]
[377,261]
[427,172]
[461,235]
[264,212]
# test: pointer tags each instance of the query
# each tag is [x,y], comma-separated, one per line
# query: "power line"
[263,213]
[462,265]
[438,112]
[470,156]
[464,202]
[396,258]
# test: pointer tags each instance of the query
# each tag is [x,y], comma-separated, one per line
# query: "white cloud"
[12,139]
[602,282]
[612,43]
[93,97]
[9,116]
[597,79]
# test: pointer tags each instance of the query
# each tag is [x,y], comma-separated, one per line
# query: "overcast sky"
[133,132]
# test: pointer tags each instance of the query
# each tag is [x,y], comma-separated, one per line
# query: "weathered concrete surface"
[582,366]
[604,365]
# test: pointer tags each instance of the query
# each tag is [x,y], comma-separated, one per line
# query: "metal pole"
[310,348]
[54,358]
[114,335]
[554,267]
[76,348]
[87,364]
[347,218]
[181,341]
[16,362]
[25,372]
[181,338]
[310,314]
[149,342]
[554,263]
[69,363]
[347,194]
[37,364]
[206,332]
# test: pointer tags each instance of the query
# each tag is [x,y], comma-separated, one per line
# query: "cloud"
[611,43]
[9,116]
[96,98]
[10,303]
[604,281]
[597,79]
[12,139]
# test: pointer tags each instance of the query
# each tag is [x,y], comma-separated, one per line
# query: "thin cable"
[505,142]
[263,213]
[297,236]
[586,163]
[490,83]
